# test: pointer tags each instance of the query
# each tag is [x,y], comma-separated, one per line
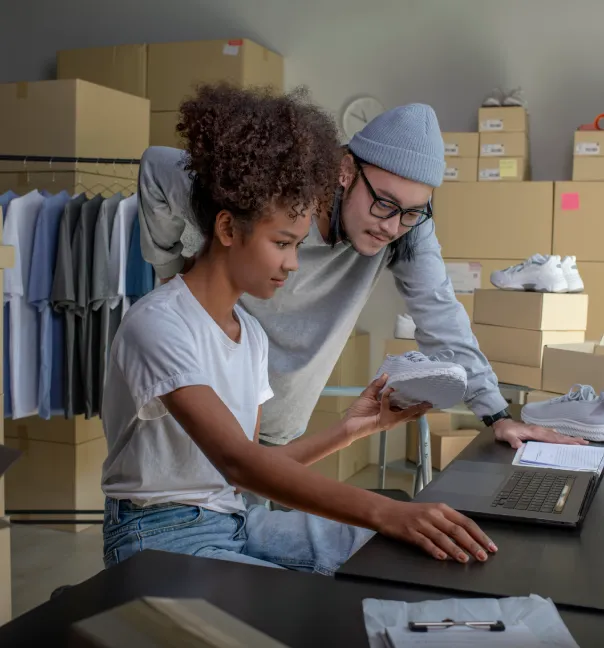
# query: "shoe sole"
[556,288]
[442,388]
[568,427]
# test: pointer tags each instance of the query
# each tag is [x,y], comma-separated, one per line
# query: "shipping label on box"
[589,143]
[502,169]
[461,144]
[458,169]
[512,145]
[465,277]
[505,118]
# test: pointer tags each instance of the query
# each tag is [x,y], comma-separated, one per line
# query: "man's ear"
[224,228]
[347,171]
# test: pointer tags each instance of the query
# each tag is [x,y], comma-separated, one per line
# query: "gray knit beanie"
[405,141]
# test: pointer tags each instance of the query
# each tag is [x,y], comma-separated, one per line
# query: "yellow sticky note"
[508,168]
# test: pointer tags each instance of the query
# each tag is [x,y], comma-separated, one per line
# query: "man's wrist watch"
[489,421]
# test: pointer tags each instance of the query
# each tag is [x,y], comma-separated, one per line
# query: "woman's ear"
[347,171]
[224,228]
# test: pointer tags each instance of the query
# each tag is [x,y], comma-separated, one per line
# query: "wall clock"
[358,113]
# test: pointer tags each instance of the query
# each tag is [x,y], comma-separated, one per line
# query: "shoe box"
[588,156]
[514,328]
[461,157]
[482,220]
[503,119]
[503,169]
[166,73]
[570,364]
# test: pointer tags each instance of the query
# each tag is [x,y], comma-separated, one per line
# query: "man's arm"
[163,206]
[442,322]
[435,527]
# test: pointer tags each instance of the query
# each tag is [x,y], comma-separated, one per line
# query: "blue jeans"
[257,536]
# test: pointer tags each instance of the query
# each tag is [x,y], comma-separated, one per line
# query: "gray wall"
[444,52]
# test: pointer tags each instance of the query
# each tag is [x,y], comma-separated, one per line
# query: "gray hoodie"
[309,320]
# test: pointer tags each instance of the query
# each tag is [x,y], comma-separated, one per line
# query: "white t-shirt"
[167,341]
[19,229]
[121,234]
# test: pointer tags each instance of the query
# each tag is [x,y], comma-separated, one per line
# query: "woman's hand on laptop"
[372,413]
[515,433]
[438,530]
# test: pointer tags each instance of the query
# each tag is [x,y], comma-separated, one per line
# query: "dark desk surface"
[299,610]
[564,565]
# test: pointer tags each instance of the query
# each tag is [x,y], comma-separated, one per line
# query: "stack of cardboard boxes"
[461,157]
[504,147]
[167,73]
[588,155]
[566,365]
[351,370]
[71,119]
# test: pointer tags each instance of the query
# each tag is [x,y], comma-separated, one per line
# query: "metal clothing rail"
[67,160]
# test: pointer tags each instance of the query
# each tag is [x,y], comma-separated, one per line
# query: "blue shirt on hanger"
[5,200]
[139,274]
[52,327]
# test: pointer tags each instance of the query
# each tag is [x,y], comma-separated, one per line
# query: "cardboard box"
[87,120]
[589,143]
[588,169]
[175,69]
[532,311]
[482,220]
[121,67]
[520,346]
[60,476]
[464,145]
[513,374]
[593,278]
[537,396]
[499,144]
[351,370]
[578,220]
[508,119]
[163,129]
[599,350]
[503,169]
[460,169]
[567,365]
[5,574]
[445,445]
[397,346]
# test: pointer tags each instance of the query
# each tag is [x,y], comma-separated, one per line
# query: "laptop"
[515,493]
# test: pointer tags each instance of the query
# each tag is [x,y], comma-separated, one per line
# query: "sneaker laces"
[577,393]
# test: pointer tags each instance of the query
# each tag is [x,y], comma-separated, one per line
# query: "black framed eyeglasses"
[385,208]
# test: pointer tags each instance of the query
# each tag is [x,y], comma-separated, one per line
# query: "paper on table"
[565,457]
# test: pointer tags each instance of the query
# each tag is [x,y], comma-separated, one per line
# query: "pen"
[424,626]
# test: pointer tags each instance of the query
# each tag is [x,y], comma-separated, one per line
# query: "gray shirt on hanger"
[309,320]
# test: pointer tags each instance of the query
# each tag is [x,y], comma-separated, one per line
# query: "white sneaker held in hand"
[417,378]
[571,274]
[404,329]
[580,413]
[539,273]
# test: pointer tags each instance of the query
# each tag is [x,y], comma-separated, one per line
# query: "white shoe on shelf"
[514,98]
[494,99]
[580,413]
[404,329]
[416,378]
[539,273]
[571,273]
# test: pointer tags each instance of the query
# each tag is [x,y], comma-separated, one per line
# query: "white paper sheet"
[565,457]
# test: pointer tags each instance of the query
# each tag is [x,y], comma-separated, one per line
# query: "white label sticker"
[451,173]
[491,125]
[492,149]
[587,148]
[489,174]
[230,50]
[465,277]
[451,149]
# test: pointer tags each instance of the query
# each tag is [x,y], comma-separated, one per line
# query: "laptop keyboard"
[540,492]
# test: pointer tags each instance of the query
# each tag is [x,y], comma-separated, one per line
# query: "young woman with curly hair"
[188,370]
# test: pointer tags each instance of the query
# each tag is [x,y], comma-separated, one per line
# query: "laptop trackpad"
[460,482]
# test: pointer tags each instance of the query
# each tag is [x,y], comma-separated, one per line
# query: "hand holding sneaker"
[372,413]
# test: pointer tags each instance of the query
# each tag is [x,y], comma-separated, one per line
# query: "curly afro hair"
[250,150]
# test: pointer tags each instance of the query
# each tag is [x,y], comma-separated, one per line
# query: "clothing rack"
[67,160]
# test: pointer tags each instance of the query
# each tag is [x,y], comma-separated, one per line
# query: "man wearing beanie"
[381,219]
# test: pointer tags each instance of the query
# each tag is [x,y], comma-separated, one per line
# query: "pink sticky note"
[570,201]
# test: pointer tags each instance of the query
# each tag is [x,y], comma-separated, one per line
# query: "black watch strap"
[489,420]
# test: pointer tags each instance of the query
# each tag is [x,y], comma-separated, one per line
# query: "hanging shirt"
[19,231]
[5,200]
[139,274]
[87,320]
[101,285]
[63,299]
[118,254]
[52,325]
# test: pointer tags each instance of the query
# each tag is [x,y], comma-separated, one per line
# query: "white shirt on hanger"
[19,229]
[121,234]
